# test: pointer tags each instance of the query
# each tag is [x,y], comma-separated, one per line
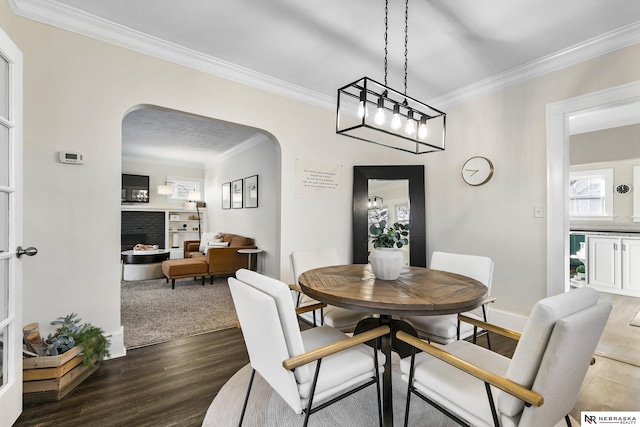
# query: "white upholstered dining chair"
[337,317]
[446,328]
[318,366]
[538,387]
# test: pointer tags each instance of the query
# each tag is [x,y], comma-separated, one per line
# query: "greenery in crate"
[72,333]
[387,237]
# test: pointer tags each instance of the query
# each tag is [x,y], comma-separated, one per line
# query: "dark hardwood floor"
[170,384]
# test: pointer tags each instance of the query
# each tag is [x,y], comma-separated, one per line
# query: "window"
[182,187]
[591,195]
[402,213]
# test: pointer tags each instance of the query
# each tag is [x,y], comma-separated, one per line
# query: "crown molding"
[252,141]
[62,16]
[589,49]
[71,19]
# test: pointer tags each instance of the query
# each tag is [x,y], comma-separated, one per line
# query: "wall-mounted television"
[135,188]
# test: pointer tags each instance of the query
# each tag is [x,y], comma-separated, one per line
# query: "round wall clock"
[477,170]
[623,188]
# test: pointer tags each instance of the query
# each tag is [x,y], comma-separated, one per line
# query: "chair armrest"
[488,300]
[191,245]
[311,307]
[491,328]
[295,288]
[328,350]
[505,384]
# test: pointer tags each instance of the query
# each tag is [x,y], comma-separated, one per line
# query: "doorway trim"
[558,115]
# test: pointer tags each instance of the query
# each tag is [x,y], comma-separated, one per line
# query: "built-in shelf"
[175,219]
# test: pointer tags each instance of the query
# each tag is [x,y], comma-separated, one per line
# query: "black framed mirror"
[417,239]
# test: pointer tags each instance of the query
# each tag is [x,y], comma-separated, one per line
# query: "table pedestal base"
[387,344]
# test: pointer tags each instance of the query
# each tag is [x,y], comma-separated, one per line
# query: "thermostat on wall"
[71,157]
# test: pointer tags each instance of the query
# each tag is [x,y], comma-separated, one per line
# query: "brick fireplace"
[142,227]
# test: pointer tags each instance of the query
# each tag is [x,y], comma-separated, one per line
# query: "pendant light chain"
[389,117]
[406,42]
[386,38]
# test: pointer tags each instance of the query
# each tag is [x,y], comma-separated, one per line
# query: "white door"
[10,231]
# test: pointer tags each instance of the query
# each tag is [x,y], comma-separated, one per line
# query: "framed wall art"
[226,195]
[236,194]
[251,192]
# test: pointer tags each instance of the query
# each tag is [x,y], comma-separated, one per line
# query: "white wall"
[259,223]
[77,91]
[72,213]
[497,219]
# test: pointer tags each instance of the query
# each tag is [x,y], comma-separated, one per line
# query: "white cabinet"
[614,262]
[631,264]
[184,225]
[604,266]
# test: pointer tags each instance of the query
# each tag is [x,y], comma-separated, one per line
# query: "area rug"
[267,409]
[152,312]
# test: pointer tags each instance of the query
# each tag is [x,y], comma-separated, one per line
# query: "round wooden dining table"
[418,291]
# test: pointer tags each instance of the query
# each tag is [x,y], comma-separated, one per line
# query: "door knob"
[30,251]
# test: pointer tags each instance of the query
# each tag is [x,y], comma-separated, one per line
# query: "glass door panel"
[4,155]
[10,230]
[4,88]
[3,357]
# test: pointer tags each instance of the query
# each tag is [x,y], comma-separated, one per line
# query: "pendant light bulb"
[380,119]
[422,128]
[362,107]
[395,121]
[410,127]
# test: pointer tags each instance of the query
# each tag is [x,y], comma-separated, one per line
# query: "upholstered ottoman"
[187,267]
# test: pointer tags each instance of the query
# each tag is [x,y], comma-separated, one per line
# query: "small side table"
[250,252]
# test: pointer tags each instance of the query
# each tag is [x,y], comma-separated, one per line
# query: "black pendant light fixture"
[373,112]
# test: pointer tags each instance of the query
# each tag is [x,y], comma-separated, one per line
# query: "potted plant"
[386,258]
[55,366]
[70,334]
[580,272]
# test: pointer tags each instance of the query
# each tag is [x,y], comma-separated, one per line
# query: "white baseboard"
[117,348]
[506,319]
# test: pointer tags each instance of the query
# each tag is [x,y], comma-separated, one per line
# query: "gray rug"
[267,409]
[152,312]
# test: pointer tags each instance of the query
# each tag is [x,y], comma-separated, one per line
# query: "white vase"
[386,263]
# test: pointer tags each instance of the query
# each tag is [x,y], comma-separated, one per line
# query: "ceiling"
[316,47]
[180,139]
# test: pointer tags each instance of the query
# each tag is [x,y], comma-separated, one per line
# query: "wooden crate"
[50,378]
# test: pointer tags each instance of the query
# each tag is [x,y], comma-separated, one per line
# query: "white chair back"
[557,342]
[271,331]
[306,260]
[479,268]
[302,261]
[559,379]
